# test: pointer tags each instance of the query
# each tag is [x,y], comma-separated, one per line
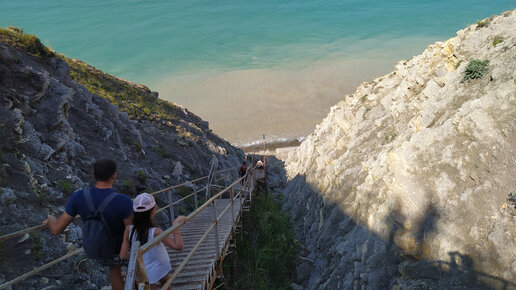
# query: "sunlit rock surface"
[406,181]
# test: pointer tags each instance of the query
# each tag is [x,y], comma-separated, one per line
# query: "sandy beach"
[242,105]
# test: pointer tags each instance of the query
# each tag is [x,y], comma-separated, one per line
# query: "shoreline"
[270,145]
[287,101]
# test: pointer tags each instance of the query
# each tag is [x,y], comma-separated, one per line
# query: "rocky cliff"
[405,183]
[56,119]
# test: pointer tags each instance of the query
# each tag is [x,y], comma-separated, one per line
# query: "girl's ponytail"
[142,222]
[143,206]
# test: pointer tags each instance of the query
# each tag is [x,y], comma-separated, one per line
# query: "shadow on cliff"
[341,253]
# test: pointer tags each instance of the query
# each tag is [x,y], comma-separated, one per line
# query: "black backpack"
[98,242]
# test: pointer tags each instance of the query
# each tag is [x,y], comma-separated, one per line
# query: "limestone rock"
[7,196]
[420,175]
[178,170]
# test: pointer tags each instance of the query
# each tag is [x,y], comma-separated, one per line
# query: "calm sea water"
[178,46]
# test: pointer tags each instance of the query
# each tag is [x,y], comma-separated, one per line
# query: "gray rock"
[74,233]
[7,196]
[178,170]
[53,130]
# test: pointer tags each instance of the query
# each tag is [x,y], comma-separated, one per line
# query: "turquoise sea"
[208,55]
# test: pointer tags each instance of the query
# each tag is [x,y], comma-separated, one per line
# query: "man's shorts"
[115,261]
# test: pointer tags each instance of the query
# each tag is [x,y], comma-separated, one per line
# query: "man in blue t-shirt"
[117,214]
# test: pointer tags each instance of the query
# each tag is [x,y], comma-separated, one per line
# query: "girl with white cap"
[156,260]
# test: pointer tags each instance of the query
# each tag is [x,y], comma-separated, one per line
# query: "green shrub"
[363,98]
[128,186]
[41,194]
[364,114]
[141,176]
[138,145]
[498,39]
[184,191]
[475,69]
[36,244]
[512,199]
[267,253]
[389,138]
[28,42]
[483,23]
[160,150]
[65,186]
[458,64]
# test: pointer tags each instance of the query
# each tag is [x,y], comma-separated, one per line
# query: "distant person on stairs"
[156,260]
[242,171]
[105,214]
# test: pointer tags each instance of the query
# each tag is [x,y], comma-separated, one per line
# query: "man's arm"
[57,226]
[128,221]
[124,249]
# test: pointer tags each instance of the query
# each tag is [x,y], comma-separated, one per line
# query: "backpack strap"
[100,211]
[106,201]
[89,200]
[102,206]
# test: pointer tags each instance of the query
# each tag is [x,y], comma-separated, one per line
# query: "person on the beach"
[242,171]
[156,260]
[117,213]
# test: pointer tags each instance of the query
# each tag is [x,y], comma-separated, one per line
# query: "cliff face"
[53,129]
[406,181]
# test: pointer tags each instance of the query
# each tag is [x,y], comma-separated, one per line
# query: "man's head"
[244,163]
[104,170]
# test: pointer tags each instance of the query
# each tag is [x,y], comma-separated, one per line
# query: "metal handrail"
[178,185]
[64,257]
[177,201]
[211,201]
[147,246]
[41,268]
[41,227]
[21,232]
[187,259]
[214,224]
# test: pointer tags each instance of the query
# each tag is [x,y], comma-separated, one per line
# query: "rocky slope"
[405,183]
[56,119]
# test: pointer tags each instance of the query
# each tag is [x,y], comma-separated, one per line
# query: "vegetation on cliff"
[267,250]
[28,42]
[135,100]
[476,69]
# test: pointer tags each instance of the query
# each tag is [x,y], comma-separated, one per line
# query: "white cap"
[143,202]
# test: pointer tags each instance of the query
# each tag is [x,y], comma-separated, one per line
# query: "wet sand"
[280,103]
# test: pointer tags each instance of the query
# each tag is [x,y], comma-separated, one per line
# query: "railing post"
[216,229]
[209,182]
[232,207]
[195,200]
[131,268]
[207,191]
[171,207]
